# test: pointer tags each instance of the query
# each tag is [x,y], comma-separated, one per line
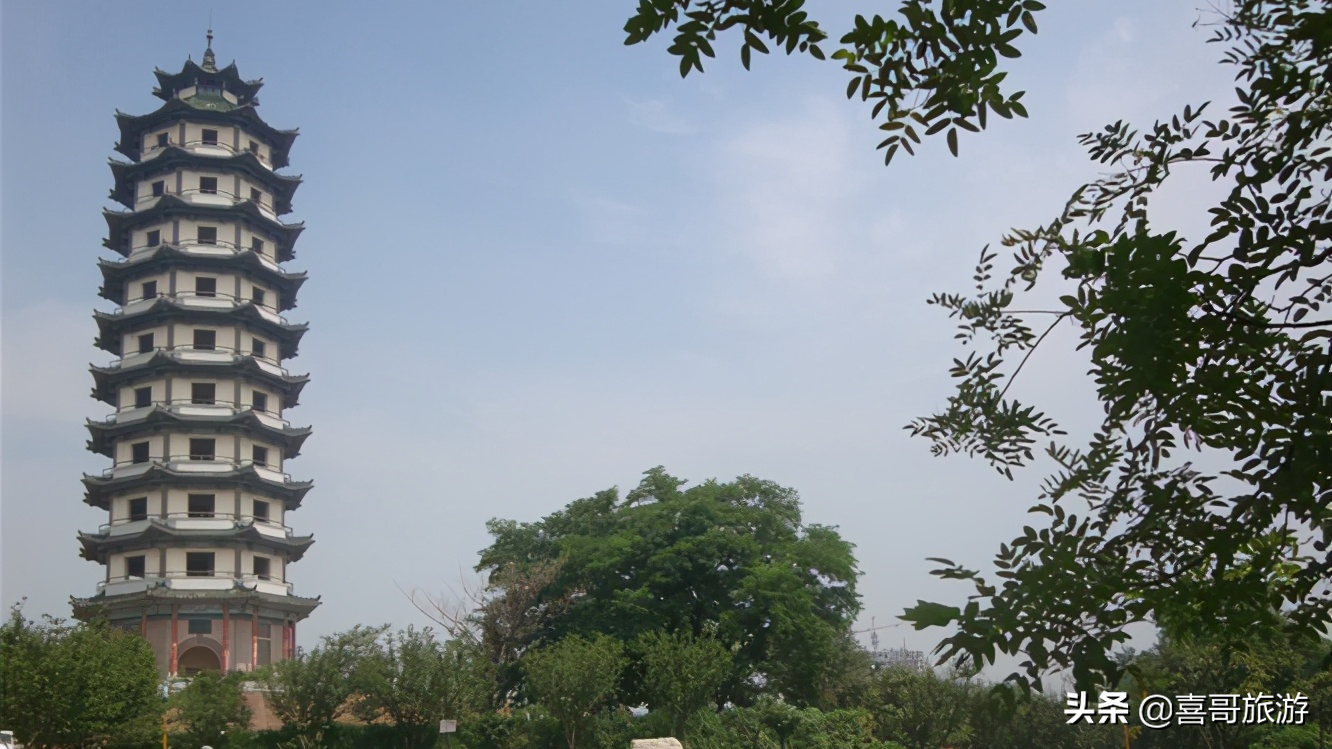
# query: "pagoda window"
[135,566]
[139,452]
[203,448]
[256,196]
[263,568]
[143,397]
[159,189]
[258,348]
[154,237]
[199,626]
[260,510]
[205,340]
[260,455]
[163,140]
[207,235]
[138,508]
[203,393]
[259,401]
[146,343]
[202,505]
[258,296]
[208,185]
[257,245]
[210,137]
[199,563]
[205,286]
[149,289]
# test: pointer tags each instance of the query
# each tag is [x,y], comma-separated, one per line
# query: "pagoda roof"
[100,489]
[105,433]
[128,174]
[111,327]
[160,599]
[191,73]
[165,256]
[120,223]
[132,127]
[96,546]
[107,379]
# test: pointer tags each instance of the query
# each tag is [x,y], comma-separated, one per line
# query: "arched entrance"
[198,658]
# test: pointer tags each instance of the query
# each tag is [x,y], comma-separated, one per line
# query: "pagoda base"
[193,631]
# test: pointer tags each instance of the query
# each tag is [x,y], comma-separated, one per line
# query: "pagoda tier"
[179,114]
[193,533]
[165,258]
[245,217]
[189,362]
[157,475]
[171,86]
[187,415]
[195,309]
[173,159]
[195,545]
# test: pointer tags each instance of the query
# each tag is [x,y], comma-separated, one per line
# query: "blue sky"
[541,263]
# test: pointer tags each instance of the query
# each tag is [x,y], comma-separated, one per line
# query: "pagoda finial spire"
[209,62]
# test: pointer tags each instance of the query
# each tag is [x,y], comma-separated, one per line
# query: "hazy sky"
[541,263]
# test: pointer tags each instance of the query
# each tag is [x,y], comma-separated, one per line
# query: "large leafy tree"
[209,707]
[727,560]
[311,692]
[415,681]
[573,678]
[86,685]
[682,674]
[1218,344]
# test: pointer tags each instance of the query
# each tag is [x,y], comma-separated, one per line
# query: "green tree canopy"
[682,674]
[728,560]
[210,707]
[310,692]
[1220,344]
[85,685]
[573,678]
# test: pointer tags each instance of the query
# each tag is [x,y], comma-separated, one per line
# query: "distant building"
[196,546]
[901,658]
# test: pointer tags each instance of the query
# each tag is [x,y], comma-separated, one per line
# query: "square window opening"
[263,568]
[139,452]
[145,343]
[207,235]
[203,393]
[258,297]
[203,448]
[259,348]
[202,505]
[259,401]
[208,185]
[159,189]
[200,626]
[259,454]
[205,340]
[210,137]
[136,566]
[199,564]
[143,397]
[260,510]
[154,238]
[138,508]
[149,289]
[163,140]
[205,286]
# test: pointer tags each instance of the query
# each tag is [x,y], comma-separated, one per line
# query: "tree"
[209,707]
[574,677]
[918,709]
[310,692]
[416,681]
[683,674]
[85,685]
[1217,344]
[732,560]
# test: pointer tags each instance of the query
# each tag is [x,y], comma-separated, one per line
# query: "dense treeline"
[712,614]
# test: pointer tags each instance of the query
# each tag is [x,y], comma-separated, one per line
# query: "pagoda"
[196,546]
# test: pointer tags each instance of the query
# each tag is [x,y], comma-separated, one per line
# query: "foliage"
[416,681]
[918,709]
[1219,344]
[732,561]
[210,708]
[310,692]
[683,674]
[573,678]
[84,685]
